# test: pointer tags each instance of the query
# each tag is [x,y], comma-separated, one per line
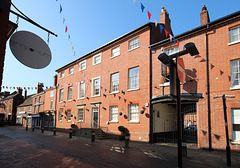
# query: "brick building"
[24,111]
[8,108]
[218,43]
[110,86]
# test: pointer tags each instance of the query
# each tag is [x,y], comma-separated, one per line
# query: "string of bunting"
[162,29]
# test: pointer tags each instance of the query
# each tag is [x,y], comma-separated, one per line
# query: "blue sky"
[93,23]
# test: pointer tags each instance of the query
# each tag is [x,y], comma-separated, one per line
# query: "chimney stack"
[55,80]
[25,94]
[39,87]
[19,91]
[165,20]
[204,16]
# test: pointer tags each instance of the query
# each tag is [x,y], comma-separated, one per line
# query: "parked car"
[190,133]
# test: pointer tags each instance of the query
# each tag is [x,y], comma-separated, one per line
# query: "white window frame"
[60,114]
[52,94]
[78,114]
[112,83]
[61,91]
[69,113]
[113,110]
[96,56]
[235,121]
[132,78]
[93,86]
[132,111]
[172,50]
[80,65]
[133,44]
[236,74]
[62,74]
[80,85]
[70,71]
[30,108]
[115,52]
[69,98]
[51,105]
[237,28]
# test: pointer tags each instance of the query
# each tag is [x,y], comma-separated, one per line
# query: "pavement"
[24,149]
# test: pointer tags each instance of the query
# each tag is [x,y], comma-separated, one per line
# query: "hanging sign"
[30,49]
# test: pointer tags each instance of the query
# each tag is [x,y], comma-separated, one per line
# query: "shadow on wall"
[191,84]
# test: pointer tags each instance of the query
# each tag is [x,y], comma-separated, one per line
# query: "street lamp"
[175,87]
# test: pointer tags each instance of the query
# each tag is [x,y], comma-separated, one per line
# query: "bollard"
[32,129]
[70,133]
[93,136]
[54,131]
[126,140]
[26,127]
[184,149]
[42,129]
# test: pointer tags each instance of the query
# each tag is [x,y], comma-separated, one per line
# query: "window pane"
[70,93]
[235,65]
[133,112]
[134,78]
[115,82]
[96,87]
[114,113]
[80,114]
[134,43]
[81,90]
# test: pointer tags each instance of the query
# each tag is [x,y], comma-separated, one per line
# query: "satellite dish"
[30,49]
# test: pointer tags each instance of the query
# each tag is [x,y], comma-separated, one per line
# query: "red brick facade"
[221,52]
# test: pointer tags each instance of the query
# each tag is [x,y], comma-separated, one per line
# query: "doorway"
[95,116]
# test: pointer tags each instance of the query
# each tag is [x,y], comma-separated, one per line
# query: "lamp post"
[228,151]
[175,87]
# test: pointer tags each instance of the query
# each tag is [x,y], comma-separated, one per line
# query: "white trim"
[99,77]
[235,42]
[133,48]
[79,98]
[85,61]
[114,49]
[100,54]
[129,90]
[236,87]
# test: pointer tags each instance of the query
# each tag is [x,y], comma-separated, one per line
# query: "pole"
[208,94]
[179,118]
[228,151]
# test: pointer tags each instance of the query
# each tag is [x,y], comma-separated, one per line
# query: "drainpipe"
[208,92]
[150,93]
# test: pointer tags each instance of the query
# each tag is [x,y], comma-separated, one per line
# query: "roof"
[109,43]
[27,101]
[12,95]
[202,27]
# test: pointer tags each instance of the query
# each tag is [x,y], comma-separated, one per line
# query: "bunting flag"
[170,37]
[63,19]
[156,23]
[161,28]
[68,36]
[60,8]
[175,41]
[149,15]
[178,43]
[66,29]
[142,7]
[166,33]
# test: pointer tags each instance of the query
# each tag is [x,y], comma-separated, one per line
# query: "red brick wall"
[220,55]
[127,59]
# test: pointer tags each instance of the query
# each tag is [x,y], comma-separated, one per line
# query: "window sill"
[114,93]
[69,121]
[69,100]
[70,74]
[129,90]
[81,98]
[114,56]
[235,87]
[235,42]
[97,63]
[133,122]
[133,48]
[96,96]
[235,142]
[80,121]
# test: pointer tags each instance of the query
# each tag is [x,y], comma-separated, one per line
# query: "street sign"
[181,70]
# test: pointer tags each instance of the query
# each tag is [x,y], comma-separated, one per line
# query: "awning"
[185,97]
